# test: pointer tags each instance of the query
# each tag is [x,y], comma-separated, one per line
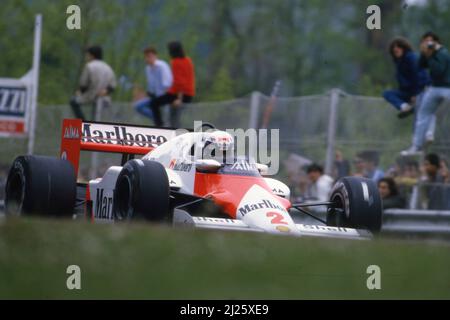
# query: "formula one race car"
[177,182]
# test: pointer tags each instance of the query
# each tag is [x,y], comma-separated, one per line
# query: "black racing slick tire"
[142,192]
[356,204]
[40,185]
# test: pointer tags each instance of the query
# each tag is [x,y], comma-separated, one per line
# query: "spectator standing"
[410,174]
[182,89]
[159,80]
[320,184]
[358,167]
[97,80]
[389,194]
[437,59]
[407,179]
[370,161]
[445,172]
[341,166]
[411,78]
[436,192]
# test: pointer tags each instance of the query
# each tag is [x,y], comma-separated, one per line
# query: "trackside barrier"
[404,222]
[417,222]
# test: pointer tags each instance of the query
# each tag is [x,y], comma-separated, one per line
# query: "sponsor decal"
[216,220]
[103,205]
[71,133]
[18,165]
[283,229]
[180,166]
[12,127]
[125,136]
[264,204]
[244,166]
[368,198]
[12,101]
[341,192]
[323,228]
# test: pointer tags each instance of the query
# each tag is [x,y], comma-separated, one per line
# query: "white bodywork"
[257,211]
[182,218]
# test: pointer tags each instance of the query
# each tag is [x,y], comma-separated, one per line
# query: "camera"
[431,45]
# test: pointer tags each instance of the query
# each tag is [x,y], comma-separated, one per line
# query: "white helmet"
[217,140]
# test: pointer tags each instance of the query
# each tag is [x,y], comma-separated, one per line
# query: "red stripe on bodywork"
[90,146]
[228,190]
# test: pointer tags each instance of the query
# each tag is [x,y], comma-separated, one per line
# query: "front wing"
[182,218]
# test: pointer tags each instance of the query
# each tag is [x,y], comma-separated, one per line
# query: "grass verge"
[155,262]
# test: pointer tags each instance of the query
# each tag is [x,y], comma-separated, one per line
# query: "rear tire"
[40,185]
[357,204]
[142,192]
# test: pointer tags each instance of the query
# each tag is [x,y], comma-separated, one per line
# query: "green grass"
[148,262]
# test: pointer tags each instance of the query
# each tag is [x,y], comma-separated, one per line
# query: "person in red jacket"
[183,87]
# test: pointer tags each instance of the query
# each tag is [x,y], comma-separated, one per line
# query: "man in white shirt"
[97,80]
[320,184]
[159,80]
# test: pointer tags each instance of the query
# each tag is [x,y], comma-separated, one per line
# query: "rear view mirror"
[207,165]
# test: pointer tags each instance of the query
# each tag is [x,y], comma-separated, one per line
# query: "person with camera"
[436,58]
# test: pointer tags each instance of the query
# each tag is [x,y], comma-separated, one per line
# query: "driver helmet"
[217,140]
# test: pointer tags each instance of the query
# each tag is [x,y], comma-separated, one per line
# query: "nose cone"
[261,209]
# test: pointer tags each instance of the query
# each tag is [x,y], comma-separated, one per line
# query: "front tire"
[40,185]
[357,204]
[142,192]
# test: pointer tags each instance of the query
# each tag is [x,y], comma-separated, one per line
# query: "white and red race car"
[176,181]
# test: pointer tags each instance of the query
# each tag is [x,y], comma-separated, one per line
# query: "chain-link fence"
[351,135]
[312,129]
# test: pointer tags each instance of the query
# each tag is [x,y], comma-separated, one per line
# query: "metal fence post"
[35,83]
[254,110]
[414,199]
[331,137]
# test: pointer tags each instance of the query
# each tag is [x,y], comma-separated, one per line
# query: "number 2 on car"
[277,218]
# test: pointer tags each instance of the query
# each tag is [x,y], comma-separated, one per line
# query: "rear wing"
[77,136]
